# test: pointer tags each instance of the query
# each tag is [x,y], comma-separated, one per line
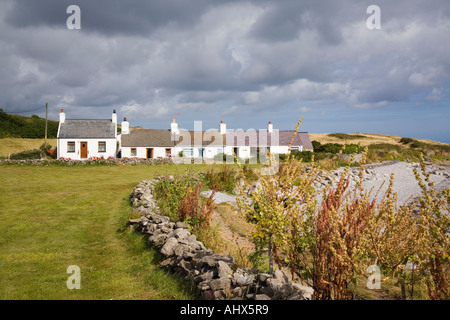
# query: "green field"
[56,216]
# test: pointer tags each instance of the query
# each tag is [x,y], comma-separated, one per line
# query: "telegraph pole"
[46,119]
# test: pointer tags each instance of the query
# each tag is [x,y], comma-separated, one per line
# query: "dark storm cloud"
[131,17]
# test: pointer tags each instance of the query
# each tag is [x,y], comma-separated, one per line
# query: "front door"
[83,150]
[149,153]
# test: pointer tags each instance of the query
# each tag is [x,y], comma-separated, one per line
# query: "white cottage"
[156,143]
[87,138]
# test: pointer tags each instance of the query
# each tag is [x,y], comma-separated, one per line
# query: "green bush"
[170,193]
[222,180]
[28,155]
[26,127]
[345,136]
[334,148]
[405,140]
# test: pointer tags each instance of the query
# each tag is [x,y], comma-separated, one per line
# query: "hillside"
[15,126]
[364,139]
[386,147]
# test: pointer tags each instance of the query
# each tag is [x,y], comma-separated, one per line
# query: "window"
[133,152]
[101,146]
[188,152]
[71,146]
[168,152]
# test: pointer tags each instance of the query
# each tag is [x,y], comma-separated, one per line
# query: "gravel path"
[220,197]
[405,184]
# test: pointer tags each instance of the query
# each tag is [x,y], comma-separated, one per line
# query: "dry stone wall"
[214,275]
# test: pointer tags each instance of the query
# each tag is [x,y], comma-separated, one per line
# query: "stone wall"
[119,161]
[214,275]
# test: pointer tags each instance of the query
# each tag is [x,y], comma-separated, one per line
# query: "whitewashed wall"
[92,148]
[141,152]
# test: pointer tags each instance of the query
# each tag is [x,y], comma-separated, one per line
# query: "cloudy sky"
[243,62]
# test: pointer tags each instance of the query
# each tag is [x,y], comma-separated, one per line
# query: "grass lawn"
[57,216]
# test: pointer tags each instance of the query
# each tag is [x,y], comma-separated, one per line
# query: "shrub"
[406,140]
[193,210]
[224,180]
[171,192]
[28,155]
[345,136]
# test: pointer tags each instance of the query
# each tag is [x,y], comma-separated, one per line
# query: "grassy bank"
[54,217]
[10,146]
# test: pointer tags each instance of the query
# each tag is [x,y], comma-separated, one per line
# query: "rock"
[279,275]
[186,266]
[212,260]
[160,219]
[237,292]
[224,270]
[220,284]
[192,238]
[264,276]
[204,277]
[180,233]
[157,239]
[306,293]
[244,280]
[220,295]
[180,224]
[169,262]
[133,221]
[168,247]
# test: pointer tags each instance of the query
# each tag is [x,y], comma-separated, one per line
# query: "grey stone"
[220,284]
[244,280]
[180,224]
[211,260]
[224,270]
[279,275]
[264,276]
[204,277]
[157,239]
[133,221]
[168,247]
[169,262]
[305,292]
[180,233]
[186,266]
[160,219]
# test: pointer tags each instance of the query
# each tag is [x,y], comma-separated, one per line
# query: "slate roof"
[262,137]
[163,138]
[87,129]
[208,138]
[147,138]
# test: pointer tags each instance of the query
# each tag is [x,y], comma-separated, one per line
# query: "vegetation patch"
[26,127]
[346,136]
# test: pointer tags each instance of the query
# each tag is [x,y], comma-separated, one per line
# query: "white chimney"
[270,127]
[174,127]
[62,116]
[125,126]
[222,128]
[114,116]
